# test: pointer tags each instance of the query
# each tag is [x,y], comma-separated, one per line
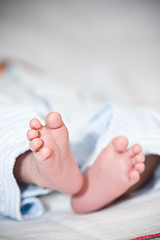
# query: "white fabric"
[140,125]
[75,41]
[17,107]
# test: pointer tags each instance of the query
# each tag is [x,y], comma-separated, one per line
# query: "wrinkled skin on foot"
[116,169]
[56,167]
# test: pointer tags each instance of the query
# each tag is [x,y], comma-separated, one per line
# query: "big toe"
[54,120]
[120,143]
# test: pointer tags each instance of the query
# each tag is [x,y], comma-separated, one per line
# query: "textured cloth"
[23,102]
[148,237]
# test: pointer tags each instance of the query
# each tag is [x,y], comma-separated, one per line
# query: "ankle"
[23,167]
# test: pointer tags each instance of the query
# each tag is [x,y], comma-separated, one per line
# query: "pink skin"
[55,166]
[113,173]
[116,169]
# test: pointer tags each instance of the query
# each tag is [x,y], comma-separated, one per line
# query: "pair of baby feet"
[116,169]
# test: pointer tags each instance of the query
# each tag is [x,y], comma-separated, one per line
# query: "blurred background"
[115,44]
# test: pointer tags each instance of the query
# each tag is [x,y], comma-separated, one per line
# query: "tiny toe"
[54,120]
[35,144]
[120,143]
[134,176]
[140,158]
[31,134]
[35,124]
[44,153]
[132,151]
[140,167]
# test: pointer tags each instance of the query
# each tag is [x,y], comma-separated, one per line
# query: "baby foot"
[55,166]
[113,173]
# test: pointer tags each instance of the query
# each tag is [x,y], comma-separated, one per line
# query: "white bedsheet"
[128,219]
